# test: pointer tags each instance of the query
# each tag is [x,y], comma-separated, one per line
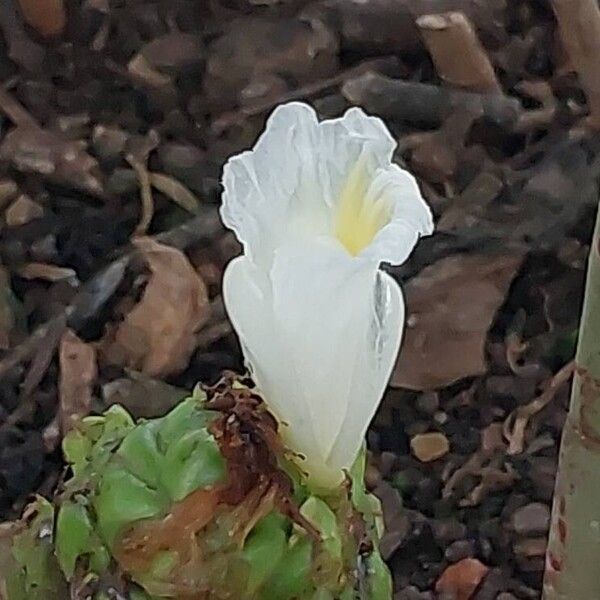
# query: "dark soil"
[175,87]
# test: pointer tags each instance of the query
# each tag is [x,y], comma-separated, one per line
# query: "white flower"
[318,207]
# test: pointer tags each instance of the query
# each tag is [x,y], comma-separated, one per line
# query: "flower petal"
[269,190]
[248,299]
[379,360]
[411,216]
[322,308]
[289,185]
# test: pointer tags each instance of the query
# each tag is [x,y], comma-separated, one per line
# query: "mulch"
[115,120]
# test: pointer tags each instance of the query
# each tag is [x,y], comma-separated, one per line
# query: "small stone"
[109,142]
[506,596]
[412,593]
[23,210]
[531,519]
[448,530]
[8,190]
[440,417]
[462,579]
[122,181]
[428,402]
[428,447]
[531,547]
[459,550]
[387,463]
[185,162]
[492,438]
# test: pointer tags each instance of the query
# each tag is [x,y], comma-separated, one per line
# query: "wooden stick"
[457,53]
[579,23]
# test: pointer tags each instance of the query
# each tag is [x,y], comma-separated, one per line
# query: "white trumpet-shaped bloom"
[318,206]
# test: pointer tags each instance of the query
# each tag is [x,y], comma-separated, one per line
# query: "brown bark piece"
[78,374]
[451,306]
[459,57]
[158,335]
[47,17]
[579,23]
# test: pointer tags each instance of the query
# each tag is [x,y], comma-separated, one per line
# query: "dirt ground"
[116,117]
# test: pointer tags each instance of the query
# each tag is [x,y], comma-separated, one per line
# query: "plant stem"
[574,545]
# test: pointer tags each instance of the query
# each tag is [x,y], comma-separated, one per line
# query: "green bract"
[150,500]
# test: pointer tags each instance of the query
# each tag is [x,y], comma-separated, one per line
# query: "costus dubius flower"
[318,207]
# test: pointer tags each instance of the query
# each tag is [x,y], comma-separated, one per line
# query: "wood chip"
[23,210]
[78,374]
[451,306]
[47,17]
[459,57]
[47,272]
[159,335]
[462,579]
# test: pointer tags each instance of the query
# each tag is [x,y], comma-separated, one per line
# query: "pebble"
[458,550]
[462,578]
[412,593]
[8,190]
[428,403]
[448,530]
[23,210]
[530,547]
[428,447]
[506,596]
[108,142]
[531,519]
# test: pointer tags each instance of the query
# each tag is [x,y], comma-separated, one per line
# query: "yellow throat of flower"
[359,219]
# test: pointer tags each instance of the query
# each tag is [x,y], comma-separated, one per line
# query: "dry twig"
[516,423]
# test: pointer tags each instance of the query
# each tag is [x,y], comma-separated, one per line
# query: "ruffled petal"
[272,193]
[410,219]
[288,187]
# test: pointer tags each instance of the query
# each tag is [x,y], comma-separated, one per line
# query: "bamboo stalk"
[574,545]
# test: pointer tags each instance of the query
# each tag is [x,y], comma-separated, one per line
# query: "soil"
[116,117]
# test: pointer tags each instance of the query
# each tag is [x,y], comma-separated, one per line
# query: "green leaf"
[379,580]
[192,462]
[292,577]
[163,564]
[39,576]
[186,417]
[264,548]
[75,537]
[140,454]
[322,594]
[123,499]
[77,448]
[318,513]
